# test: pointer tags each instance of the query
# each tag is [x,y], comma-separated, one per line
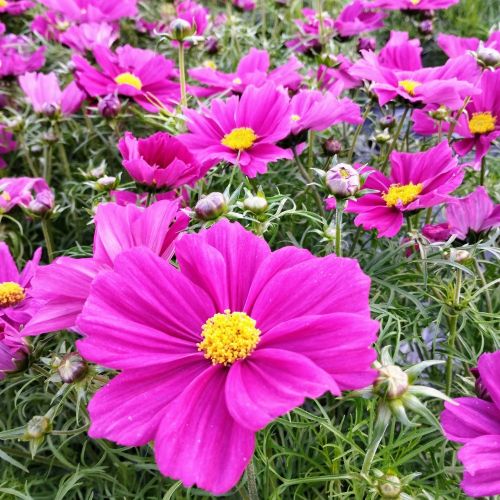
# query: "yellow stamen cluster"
[239,139]
[237,81]
[129,79]
[415,2]
[295,118]
[210,64]
[11,294]
[3,3]
[409,86]
[482,123]
[402,194]
[228,337]
[6,196]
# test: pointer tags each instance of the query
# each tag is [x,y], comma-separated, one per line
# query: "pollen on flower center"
[11,294]
[239,139]
[129,79]
[415,2]
[6,196]
[402,194]
[482,123]
[228,337]
[237,81]
[295,118]
[409,86]
[3,3]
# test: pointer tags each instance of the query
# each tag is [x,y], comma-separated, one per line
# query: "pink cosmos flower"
[13,349]
[416,181]
[411,4]
[474,213]
[313,110]
[236,337]
[87,36]
[245,4]
[7,144]
[242,131]
[338,78]
[15,7]
[194,13]
[84,11]
[253,69]
[18,55]
[141,74]
[454,46]
[20,191]
[309,31]
[46,97]
[160,160]
[475,423]
[355,19]
[401,53]
[63,286]
[16,305]
[436,232]
[124,197]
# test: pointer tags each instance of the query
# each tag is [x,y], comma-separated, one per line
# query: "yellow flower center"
[403,194]
[11,294]
[237,81]
[3,3]
[129,79]
[415,2]
[482,123]
[409,86]
[295,118]
[210,64]
[6,196]
[228,337]
[239,139]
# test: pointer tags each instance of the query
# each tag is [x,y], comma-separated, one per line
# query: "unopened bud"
[37,427]
[256,204]
[440,114]
[387,121]
[50,110]
[391,381]
[211,206]
[212,45]
[367,43]
[343,180]
[49,137]
[72,368]
[43,203]
[109,106]
[105,183]
[389,486]
[426,27]
[180,29]
[382,137]
[98,172]
[459,256]
[488,56]
[332,147]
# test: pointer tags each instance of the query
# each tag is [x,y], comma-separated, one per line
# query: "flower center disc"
[482,123]
[128,79]
[11,294]
[409,86]
[415,2]
[3,3]
[239,139]
[228,337]
[402,194]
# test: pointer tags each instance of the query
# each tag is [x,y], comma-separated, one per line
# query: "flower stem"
[394,139]
[252,482]
[482,174]
[338,228]
[182,71]
[452,322]
[357,132]
[62,152]
[47,234]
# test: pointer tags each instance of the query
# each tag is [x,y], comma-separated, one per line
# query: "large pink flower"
[454,46]
[21,191]
[83,11]
[242,131]
[15,7]
[417,180]
[213,352]
[141,74]
[476,423]
[87,36]
[411,4]
[18,54]
[63,286]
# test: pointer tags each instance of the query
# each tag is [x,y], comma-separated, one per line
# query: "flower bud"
[382,137]
[488,56]
[367,43]
[37,427]
[49,109]
[105,183]
[343,180]
[440,114]
[49,137]
[389,486]
[43,203]
[109,106]
[391,381]
[211,206]
[459,256]
[330,60]
[4,101]
[212,45]
[387,121]
[98,172]
[256,204]
[332,147]
[426,27]
[180,29]
[72,368]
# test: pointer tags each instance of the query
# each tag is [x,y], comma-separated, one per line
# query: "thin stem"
[428,215]
[409,223]
[489,304]
[253,493]
[182,71]
[482,174]
[394,139]
[338,228]
[453,124]
[29,161]
[47,234]
[355,240]
[310,150]
[452,322]
[62,151]
[357,132]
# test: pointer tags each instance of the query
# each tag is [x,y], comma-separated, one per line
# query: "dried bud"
[180,29]
[50,110]
[332,147]
[212,45]
[109,106]
[106,183]
[426,27]
[367,43]
[211,206]
[387,121]
[389,486]
[37,427]
[256,204]
[488,56]
[43,203]
[440,114]
[382,137]
[343,180]
[72,368]
[391,381]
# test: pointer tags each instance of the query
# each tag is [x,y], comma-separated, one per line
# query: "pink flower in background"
[160,160]
[194,13]
[411,4]
[454,46]
[253,69]
[235,338]
[88,35]
[338,78]
[16,305]
[46,97]
[475,213]
[20,191]
[15,7]
[313,110]
[13,349]
[437,232]
[63,286]
[18,54]
[401,52]
[7,144]
[355,19]
[242,131]
[140,74]
[475,423]
[416,181]
[245,4]
[309,31]
[124,197]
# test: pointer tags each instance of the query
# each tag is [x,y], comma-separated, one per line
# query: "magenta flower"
[355,19]
[417,180]
[16,305]
[13,349]
[194,13]
[242,131]
[309,31]
[93,11]
[45,95]
[160,160]
[63,286]
[240,336]
[474,213]
[15,7]
[245,4]
[436,232]
[20,191]
[140,74]
[401,52]
[454,46]
[411,4]
[253,69]
[18,55]
[475,423]
[313,110]
[338,78]
[88,35]
[7,144]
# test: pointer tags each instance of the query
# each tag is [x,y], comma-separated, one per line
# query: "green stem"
[409,223]
[62,152]
[428,215]
[482,174]
[355,240]
[310,150]
[452,322]
[182,71]
[338,228]
[489,304]
[357,132]
[47,234]
[453,124]
[253,493]
[394,139]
